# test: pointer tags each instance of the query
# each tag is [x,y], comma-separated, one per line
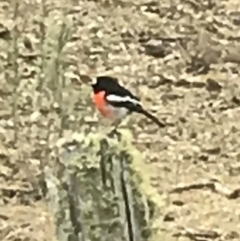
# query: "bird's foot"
[114,133]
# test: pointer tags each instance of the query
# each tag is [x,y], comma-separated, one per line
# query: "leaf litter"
[180,56]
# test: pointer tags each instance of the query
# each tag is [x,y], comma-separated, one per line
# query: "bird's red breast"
[102,105]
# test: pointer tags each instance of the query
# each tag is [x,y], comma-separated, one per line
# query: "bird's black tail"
[151,117]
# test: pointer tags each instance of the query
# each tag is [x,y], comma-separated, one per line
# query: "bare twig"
[209,184]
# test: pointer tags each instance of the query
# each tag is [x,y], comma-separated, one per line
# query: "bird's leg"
[114,131]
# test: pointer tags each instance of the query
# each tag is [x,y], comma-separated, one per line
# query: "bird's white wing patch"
[116,98]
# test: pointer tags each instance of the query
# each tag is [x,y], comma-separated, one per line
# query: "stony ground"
[180,56]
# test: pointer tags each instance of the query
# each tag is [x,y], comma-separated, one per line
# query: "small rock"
[178,202]
[213,150]
[203,157]
[10,123]
[169,217]
[34,117]
[156,48]
[213,85]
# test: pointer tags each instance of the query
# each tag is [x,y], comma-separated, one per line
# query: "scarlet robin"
[116,102]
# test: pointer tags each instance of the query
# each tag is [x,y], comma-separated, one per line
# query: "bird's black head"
[104,83]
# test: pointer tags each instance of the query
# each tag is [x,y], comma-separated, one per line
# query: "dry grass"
[179,56]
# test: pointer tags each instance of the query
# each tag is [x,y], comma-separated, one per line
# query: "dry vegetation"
[182,58]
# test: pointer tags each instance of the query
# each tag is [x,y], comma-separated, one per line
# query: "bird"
[115,102]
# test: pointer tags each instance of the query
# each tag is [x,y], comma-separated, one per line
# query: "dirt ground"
[180,56]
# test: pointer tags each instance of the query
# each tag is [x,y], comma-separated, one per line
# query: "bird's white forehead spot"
[94,81]
[116,98]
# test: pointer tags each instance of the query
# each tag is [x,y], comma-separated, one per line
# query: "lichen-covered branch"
[97,196]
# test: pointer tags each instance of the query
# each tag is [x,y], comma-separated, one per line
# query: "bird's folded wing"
[122,101]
